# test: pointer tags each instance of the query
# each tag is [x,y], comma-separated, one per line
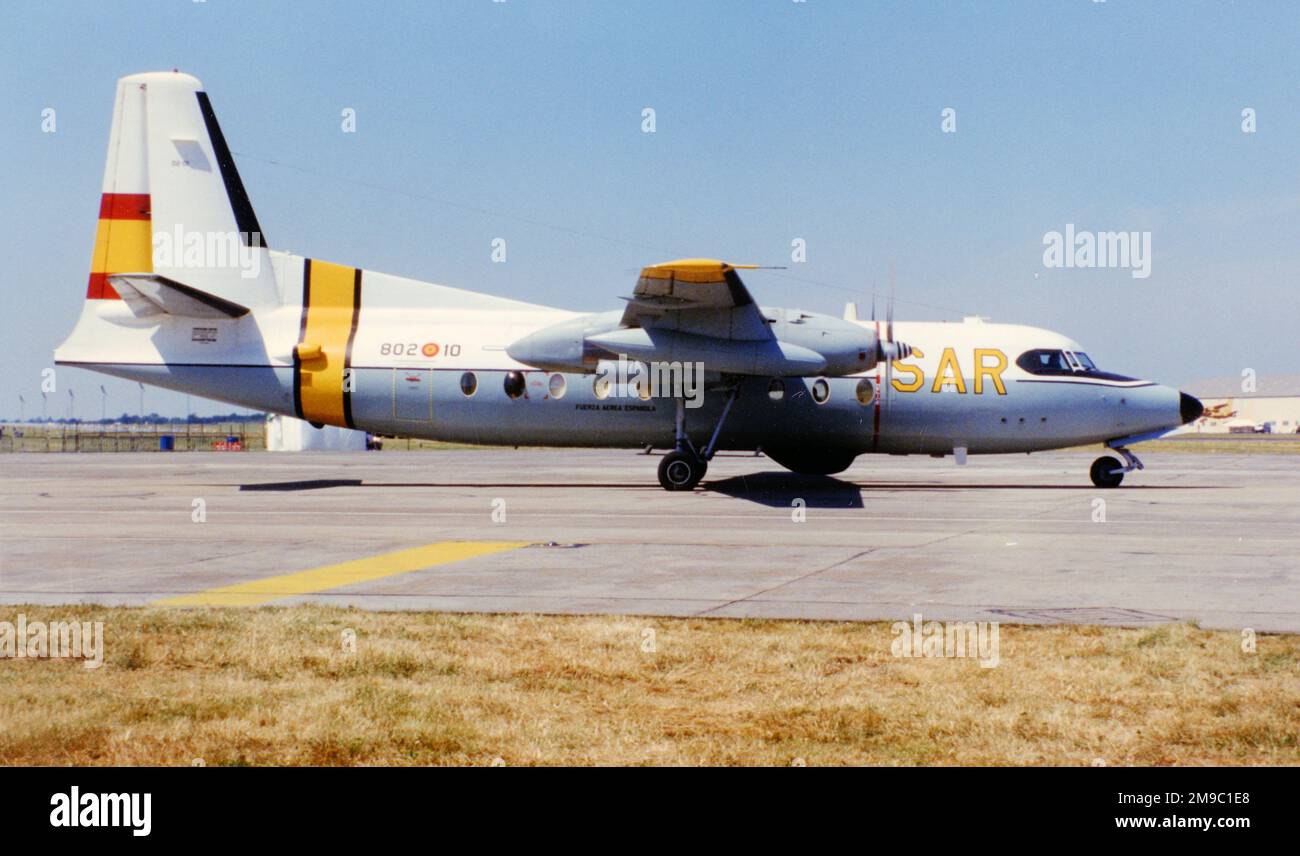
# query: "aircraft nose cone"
[1189,407]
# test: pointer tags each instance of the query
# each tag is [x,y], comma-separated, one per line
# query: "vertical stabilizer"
[173,203]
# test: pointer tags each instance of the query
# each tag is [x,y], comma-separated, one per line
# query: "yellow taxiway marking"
[262,591]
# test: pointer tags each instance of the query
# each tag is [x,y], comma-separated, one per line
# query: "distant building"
[1273,404]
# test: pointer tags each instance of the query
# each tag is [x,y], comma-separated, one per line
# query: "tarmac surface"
[1209,537]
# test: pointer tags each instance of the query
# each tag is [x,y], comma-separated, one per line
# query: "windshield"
[1051,361]
[1048,362]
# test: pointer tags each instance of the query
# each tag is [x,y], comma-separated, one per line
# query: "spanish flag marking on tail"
[123,242]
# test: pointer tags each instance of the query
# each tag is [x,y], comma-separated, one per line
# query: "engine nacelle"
[563,347]
[727,356]
[805,344]
[847,347]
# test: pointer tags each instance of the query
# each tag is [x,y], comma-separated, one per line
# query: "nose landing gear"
[1108,472]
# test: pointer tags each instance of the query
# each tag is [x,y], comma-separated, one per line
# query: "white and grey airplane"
[185,294]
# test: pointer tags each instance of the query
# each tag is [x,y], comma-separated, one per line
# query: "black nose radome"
[1189,407]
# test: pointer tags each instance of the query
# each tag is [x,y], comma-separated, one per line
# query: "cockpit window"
[1047,361]
[1044,362]
[1050,362]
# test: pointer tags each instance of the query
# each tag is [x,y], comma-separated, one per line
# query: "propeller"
[889,338]
[889,307]
[888,349]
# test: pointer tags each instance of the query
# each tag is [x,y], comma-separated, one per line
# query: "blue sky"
[775,120]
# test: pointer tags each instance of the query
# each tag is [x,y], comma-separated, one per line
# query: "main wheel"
[1106,472]
[681,471]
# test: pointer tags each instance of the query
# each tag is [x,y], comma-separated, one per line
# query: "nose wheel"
[1108,472]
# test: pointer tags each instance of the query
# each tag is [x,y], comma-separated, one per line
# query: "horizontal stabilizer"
[153,294]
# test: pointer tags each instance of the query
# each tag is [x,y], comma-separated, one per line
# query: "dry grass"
[414,444]
[275,686]
[1220,444]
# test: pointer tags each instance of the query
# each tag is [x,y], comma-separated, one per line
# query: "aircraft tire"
[681,471]
[1101,472]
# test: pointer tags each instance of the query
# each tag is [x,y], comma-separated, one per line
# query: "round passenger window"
[866,391]
[821,390]
[644,391]
[557,386]
[776,389]
[468,383]
[514,384]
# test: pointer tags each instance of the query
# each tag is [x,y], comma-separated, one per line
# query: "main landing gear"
[685,466]
[1108,472]
[681,470]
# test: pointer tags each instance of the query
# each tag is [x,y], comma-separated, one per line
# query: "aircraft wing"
[702,297]
[698,311]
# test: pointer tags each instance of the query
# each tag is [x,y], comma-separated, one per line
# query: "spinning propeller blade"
[889,338]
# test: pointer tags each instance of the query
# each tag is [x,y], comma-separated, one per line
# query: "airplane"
[185,293]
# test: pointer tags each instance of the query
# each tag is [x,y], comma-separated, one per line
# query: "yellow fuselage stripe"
[330,296]
[357,571]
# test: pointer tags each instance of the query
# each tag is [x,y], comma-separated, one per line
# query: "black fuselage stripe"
[271,366]
[1141,385]
[302,333]
[348,380]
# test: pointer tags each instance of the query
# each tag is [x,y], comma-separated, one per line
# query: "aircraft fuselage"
[398,357]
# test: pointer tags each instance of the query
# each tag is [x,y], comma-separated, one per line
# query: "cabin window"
[515,385]
[556,386]
[821,390]
[468,384]
[776,389]
[600,386]
[866,391]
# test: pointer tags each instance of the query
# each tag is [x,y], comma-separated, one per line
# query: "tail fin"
[173,203]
